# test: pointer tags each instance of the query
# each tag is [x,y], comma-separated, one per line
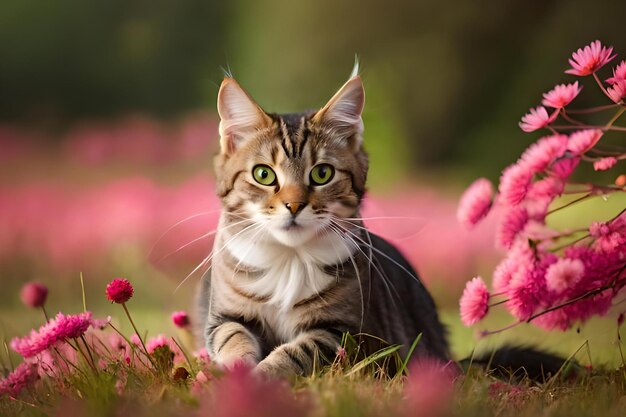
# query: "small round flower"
[536,119]
[561,95]
[617,92]
[582,141]
[619,73]
[180,319]
[603,164]
[589,59]
[514,184]
[119,291]
[474,302]
[620,181]
[34,294]
[475,202]
[564,274]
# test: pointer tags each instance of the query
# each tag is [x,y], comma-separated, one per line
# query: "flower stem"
[593,109]
[574,127]
[617,115]
[578,200]
[138,335]
[595,77]
[82,337]
[45,313]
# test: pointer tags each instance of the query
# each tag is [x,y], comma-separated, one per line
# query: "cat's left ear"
[342,113]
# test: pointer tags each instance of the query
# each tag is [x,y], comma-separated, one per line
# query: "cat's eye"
[322,174]
[264,175]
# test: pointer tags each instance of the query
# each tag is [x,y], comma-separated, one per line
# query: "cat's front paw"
[267,370]
[230,362]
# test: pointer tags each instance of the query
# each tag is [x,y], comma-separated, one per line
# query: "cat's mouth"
[292,224]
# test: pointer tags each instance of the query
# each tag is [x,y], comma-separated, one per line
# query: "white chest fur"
[289,274]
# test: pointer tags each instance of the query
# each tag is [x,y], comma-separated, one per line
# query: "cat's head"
[291,174]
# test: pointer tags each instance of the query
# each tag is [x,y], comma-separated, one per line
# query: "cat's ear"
[240,116]
[342,113]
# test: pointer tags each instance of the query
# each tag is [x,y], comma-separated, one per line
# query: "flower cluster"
[555,278]
[59,329]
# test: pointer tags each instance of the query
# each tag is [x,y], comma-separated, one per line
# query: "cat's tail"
[519,362]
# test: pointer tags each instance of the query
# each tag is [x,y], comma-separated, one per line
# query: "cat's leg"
[300,356]
[231,342]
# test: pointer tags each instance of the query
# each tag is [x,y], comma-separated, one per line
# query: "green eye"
[264,175]
[322,174]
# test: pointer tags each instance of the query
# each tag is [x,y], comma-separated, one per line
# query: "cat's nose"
[295,207]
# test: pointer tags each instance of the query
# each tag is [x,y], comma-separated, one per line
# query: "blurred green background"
[446,84]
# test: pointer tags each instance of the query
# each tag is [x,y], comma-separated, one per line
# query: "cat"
[293,266]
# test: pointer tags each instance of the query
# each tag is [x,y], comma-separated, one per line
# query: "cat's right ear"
[239,116]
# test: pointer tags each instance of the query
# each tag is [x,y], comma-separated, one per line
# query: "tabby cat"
[293,267]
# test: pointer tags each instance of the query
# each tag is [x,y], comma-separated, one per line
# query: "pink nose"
[295,207]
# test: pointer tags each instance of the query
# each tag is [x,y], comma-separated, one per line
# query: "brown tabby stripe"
[257,298]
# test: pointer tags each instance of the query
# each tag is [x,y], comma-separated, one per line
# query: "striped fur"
[292,266]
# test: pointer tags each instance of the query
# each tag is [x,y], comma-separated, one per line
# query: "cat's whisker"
[260,230]
[212,254]
[388,284]
[384,255]
[358,275]
[204,236]
[178,223]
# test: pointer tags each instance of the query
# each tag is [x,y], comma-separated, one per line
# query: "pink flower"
[617,92]
[590,59]
[564,274]
[180,319]
[564,167]
[119,291]
[134,339]
[514,184]
[474,302]
[156,342]
[582,141]
[60,328]
[603,164]
[475,202]
[429,388]
[101,323]
[619,73]
[536,119]
[549,187]
[511,225]
[503,274]
[525,292]
[21,377]
[561,95]
[34,294]
[540,155]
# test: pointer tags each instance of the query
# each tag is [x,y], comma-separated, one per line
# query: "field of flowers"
[136,199]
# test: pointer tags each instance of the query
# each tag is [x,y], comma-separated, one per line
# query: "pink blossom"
[474,302]
[429,388]
[503,274]
[525,292]
[180,319]
[564,167]
[60,328]
[619,73]
[536,119]
[475,202]
[34,294]
[101,323]
[582,141]
[202,355]
[511,225]
[549,187]
[617,92]
[156,342]
[240,394]
[21,377]
[604,164]
[134,339]
[561,95]
[589,59]
[514,184]
[119,291]
[564,274]
[541,154]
